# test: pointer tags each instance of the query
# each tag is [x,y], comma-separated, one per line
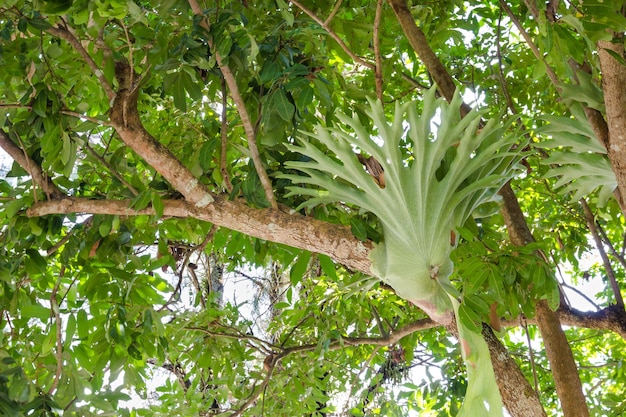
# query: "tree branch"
[62,32]
[334,35]
[610,274]
[242,110]
[607,241]
[378,72]
[224,139]
[294,230]
[125,120]
[110,169]
[558,350]
[54,308]
[66,112]
[419,43]
[21,157]
[529,42]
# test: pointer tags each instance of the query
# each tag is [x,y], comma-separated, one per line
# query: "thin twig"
[111,169]
[54,306]
[88,118]
[333,12]
[610,274]
[224,136]
[64,33]
[66,112]
[334,35]
[130,53]
[269,363]
[414,82]
[505,90]
[580,294]
[242,110]
[196,284]
[21,157]
[67,237]
[378,71]
[531,355]
[530,43]
[607,241]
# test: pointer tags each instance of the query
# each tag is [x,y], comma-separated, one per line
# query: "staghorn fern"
[452,170]
[577,157]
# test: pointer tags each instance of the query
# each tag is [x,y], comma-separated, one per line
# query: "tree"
[329,145]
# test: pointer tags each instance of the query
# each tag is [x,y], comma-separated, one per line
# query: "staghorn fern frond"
[577,157]
[453,168]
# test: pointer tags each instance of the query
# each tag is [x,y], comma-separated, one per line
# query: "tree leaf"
[282,105]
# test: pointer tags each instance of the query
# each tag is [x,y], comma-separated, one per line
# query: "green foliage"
[451,171]
[100,311]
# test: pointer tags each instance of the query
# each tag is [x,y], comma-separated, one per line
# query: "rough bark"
[35,171]
[613,86]
[333,240]
[564,369]
[294,230]
[516,392]
[126,122]
[419,43]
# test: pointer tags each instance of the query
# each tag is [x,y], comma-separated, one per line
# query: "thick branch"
[273,225]
[558,350]
[21,157]
[612,318]
[517,394]
[125,120]
[418,41]
[613,82]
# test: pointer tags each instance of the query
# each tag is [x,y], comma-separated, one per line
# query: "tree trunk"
[564,369]
[614,87]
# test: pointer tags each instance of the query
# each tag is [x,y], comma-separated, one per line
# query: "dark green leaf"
[283,106]
[178,90]
[299,268]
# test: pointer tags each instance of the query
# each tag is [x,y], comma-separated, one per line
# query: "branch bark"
[294,230]
[21,157]
[248,126]
[329,239]
[564,369]
[419,43]
[516,392]
[613,82]
[125,120]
